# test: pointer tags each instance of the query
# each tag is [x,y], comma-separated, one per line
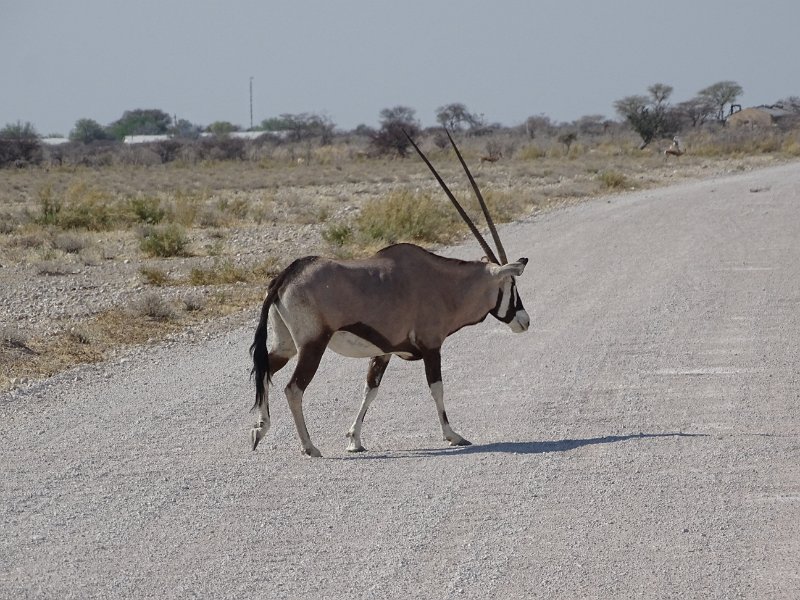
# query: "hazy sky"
[63,60]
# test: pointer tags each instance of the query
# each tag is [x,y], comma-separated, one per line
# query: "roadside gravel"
[640,441]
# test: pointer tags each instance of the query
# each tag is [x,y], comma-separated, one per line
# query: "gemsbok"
[674,149]
[403,300]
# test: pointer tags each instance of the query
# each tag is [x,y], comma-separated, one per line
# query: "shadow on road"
[526,447]
[565,445]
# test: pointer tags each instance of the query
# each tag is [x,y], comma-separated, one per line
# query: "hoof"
[356,449]
[460,442]
[312,451]
[255,437]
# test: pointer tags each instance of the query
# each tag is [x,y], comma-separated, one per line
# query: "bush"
[405,216]
[83,207]
[154,306]
[88,208]
[20,153]
[147,210]
[164,241]
[338,234]
[70,242]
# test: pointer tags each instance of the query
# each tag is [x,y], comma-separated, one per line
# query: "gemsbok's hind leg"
[260,429]
[433,371]
[377,366]
[307,364]
[283,349]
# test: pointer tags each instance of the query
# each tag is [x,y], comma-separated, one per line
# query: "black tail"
[259,350]
[260,353]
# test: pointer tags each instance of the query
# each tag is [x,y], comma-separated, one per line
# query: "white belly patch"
[349,344]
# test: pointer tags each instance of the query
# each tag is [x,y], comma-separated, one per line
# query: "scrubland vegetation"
[187,230]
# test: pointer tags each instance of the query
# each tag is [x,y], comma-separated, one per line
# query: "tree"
[720,94]
[567,139]
[394,122]
[141,122]
[651,116]
[591,124]
[88,130]
[19,131]
[275,124]
[539,125]
[19,144]
[307,126]
[184,128]
[222,128]
[454,116]
[696,110]
[660,92]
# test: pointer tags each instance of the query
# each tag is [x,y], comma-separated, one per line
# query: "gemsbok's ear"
[514,269]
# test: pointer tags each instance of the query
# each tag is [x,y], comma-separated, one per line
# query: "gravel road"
[642,440]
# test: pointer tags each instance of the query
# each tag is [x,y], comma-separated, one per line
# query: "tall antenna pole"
[251,103]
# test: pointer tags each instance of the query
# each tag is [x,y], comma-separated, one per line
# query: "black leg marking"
[433,371]
[377,366]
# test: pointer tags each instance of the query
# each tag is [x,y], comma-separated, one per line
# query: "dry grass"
[338,200]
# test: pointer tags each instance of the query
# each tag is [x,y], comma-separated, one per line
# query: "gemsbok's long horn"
[500,250]
[489,253]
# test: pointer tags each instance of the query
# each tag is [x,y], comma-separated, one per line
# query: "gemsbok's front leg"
[433,371]
[377,366]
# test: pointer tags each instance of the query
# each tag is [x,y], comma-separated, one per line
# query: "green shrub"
[147,210]
[83,207]
[164,241]
[404,215]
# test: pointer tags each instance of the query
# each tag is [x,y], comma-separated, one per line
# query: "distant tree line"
[651,116]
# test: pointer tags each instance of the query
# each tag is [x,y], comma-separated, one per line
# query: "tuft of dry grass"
[221,272]
[70,242]
[154,276]
[612,180]
[155,307]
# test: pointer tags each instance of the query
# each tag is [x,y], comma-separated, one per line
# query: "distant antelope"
[675,149]
[491,158]
[403,300]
